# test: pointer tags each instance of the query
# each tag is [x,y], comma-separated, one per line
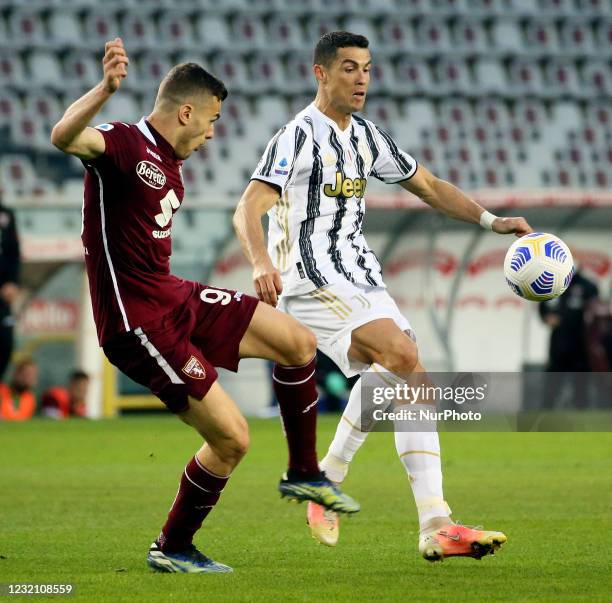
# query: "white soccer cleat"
[324,524]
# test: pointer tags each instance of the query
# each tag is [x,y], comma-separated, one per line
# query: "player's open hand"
[268,283]
[518,226]
[115,64]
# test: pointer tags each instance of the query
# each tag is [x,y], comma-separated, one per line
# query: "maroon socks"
[198,493]
[296,393]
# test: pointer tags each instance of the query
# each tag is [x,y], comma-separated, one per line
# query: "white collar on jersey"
[331,122]
[142,126]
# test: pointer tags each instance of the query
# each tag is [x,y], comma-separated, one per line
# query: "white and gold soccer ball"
[539,266]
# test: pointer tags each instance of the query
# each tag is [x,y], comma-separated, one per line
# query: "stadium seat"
[469,36]
[150,69]
[25,29]
[490,77]
[138,30]
[82,69]
[382,111]
[299,77]
[212,32]
[599,113]
[65,28]
[576,37]
[492,113]
[248,33]
[121,107]
[433,35]
[231,69]
[418,117]
[453,76]
[44,104]
[101,26]
[506,36]
[561,78]
[28,130]
[555,8]
[596,79]
[525,78]
[318,25]
[541,36]
[284,33]
[361,25]
[448,8]
[382,79]
[593,8]
[10,106]
[603,37]
[175,33]
[45,68]
[266,74]
[412,76]
[12,70]
[271,114]
[456,112]
[396,34]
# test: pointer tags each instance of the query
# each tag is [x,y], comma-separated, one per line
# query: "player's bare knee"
[400,359]
[303,348]
[238,443]
[307,347]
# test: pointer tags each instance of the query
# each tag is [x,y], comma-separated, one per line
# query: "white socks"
[348,438]
[419,452]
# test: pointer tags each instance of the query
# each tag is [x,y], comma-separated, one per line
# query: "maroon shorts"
[175,356]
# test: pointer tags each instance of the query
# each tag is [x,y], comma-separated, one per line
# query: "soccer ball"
[539,266]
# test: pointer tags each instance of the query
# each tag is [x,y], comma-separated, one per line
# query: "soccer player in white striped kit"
[311,180]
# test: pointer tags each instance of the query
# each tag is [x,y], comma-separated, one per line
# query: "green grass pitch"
[80,502]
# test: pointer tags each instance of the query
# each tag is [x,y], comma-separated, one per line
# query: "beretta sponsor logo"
[150,174]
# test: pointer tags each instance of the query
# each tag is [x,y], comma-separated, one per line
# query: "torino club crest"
[194,369]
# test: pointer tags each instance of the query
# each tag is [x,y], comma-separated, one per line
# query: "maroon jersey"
[131,194]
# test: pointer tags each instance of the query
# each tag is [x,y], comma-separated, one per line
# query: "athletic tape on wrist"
[487,219]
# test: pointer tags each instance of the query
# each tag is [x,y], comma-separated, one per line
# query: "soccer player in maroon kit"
[168,333]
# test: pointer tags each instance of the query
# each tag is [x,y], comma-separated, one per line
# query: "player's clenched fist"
[268,284]
[518,226]
[115,64]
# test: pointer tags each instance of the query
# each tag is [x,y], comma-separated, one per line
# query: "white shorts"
[333,312]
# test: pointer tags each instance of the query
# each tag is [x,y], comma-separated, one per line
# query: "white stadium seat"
[101,26]
[506,36]
[65,28]
[45,68]
[138,30]
[490,77]
[469,35]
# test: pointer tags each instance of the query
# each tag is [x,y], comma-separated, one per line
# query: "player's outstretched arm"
[71,134]
[257,199]
[449,200]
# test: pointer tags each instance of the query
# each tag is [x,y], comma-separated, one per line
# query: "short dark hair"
[189,79]
[327,46]
[78,374]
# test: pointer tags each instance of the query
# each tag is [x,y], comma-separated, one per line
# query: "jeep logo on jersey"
[194,369]
[150,174]
[346,188]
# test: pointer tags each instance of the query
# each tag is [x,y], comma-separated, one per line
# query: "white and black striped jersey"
[315,230]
